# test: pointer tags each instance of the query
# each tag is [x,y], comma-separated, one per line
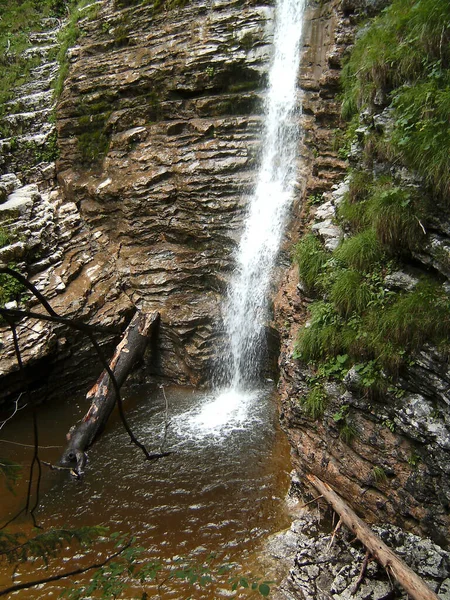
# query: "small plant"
[314,199]
[347,432]
[311,259]
[10,288]
[389,424]
[5,237]
[362,251]
[335,367]
[414,460]
[350,292]
[341,415]
[326,336]
[396,218]
[315,402]
[379,475]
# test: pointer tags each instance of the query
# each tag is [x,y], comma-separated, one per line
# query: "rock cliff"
[393,464]
[158,128]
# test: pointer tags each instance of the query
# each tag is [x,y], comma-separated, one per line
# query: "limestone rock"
[321,571]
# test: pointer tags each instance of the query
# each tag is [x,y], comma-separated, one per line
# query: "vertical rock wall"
[158,128]
[395,467]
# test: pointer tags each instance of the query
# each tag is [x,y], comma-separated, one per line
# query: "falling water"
[237,401]
[247,302]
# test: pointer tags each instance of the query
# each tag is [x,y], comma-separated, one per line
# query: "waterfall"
[237,402]
[245,312]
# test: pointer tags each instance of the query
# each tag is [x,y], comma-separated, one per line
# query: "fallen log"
[104,393]
[394,565]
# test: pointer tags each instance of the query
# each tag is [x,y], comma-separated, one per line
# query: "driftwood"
[104,393]
[394,565]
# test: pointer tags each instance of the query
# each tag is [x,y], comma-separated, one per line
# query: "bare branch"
[16,410]
[30,584]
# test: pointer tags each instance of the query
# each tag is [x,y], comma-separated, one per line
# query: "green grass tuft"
[311,258]
[350,293]
[315,402]
[362,251]
[396,217]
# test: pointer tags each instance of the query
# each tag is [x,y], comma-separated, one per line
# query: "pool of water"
[221,491]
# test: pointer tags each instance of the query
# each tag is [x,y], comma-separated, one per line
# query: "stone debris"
[324,567]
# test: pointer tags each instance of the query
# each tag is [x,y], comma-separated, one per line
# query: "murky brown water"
[221,491]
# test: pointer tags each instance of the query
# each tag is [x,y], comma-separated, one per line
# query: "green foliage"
[17,548]
[362,251]
[396,217]
[402,59]
[347,431]
[68,37]
[10,473]
[421,134]
[10,288]
[416,317]
[414,460]
[93,146]
[94,138]
[371,378]
[379,475]
[18,19]
[350,292]
[389,424]
[5,237]
[327,335]
[311,258]
[47,152]
[360,185]
[315,402]
[335,367]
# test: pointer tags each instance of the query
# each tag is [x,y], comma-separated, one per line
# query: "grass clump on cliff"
[310,258]
[18,20]
[364,322]
[360,316]
[315,402]
[83,9]
[402,60]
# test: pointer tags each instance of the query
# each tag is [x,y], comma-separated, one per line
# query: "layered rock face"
[395,466]
[158,128]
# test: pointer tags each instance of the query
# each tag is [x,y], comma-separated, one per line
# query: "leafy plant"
[10,288]
[5,237]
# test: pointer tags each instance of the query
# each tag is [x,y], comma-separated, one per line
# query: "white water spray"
[247,302]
